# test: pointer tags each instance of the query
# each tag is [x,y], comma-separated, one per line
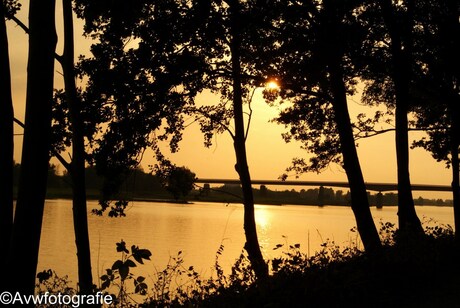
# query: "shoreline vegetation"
[407,272]
[142,186]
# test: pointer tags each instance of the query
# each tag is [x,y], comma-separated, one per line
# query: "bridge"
[380,187]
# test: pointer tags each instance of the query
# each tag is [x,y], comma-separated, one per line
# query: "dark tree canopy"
[179,181]
[143,72]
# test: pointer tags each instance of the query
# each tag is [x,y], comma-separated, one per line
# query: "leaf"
[45,275]
[140,254]
[140,279]
[124,271]
[129,263]
[117,265]
[121,247]
[141,289]
[105,285]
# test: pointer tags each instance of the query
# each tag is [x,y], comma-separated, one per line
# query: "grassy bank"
[407,272]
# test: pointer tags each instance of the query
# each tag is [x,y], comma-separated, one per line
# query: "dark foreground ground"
[423,273]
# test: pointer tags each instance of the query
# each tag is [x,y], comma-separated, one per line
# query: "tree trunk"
[452,71]
[6,139]
[454,141]
[77,167]
[252,243]
[36,147]
[408,220]
[359,200]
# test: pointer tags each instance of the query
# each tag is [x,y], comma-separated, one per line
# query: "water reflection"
[198,230]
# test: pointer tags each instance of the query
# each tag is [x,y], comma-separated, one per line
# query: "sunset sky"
[268,154]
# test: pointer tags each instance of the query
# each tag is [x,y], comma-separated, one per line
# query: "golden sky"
[268,154]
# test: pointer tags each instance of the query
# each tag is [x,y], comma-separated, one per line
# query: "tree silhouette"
[6,131]
[313,60]
[436,86]
[64,136]
[227,41]
[179,181]
[399,26]
[77,166]
[140,76]
[25,241]
[149,82]
[239,143]
[402,62]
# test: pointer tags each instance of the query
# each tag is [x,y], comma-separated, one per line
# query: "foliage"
[12,7]
[431,32]
[437,82]
[179,181]
[49,281]
[120,273]
[117,208]
[301,58]
[143,73]
[293,260]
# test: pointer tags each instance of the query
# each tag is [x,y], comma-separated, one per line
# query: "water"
[198,230]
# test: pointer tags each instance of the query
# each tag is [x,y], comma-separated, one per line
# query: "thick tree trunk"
[252,243]
[359,200]
[36,147]
[408,220]
[6,139]
[77,171]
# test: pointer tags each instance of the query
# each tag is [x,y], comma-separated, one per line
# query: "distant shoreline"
[190,201]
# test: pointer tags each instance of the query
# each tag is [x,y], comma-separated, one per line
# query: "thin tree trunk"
[77,172]
[453,73]
[359,199]
[408,220]
[454,141]
[25,241]
[252,243]
[6,139]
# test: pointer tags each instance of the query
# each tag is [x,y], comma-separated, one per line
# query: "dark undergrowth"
[409,271]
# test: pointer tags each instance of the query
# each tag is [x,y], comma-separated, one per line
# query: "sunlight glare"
[262,217]
[272,85]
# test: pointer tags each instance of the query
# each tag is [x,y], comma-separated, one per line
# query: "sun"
[272,85]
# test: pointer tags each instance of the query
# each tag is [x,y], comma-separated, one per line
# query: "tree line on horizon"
[141,185]
[149,61]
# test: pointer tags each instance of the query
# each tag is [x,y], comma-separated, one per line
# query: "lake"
[197,230]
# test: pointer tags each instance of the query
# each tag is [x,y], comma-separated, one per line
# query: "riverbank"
[394,279]
[417,273]
[274,198]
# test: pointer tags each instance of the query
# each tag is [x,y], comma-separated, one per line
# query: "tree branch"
[53,151]
[249,114]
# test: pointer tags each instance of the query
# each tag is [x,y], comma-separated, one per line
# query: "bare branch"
[250,113]
[55,154]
